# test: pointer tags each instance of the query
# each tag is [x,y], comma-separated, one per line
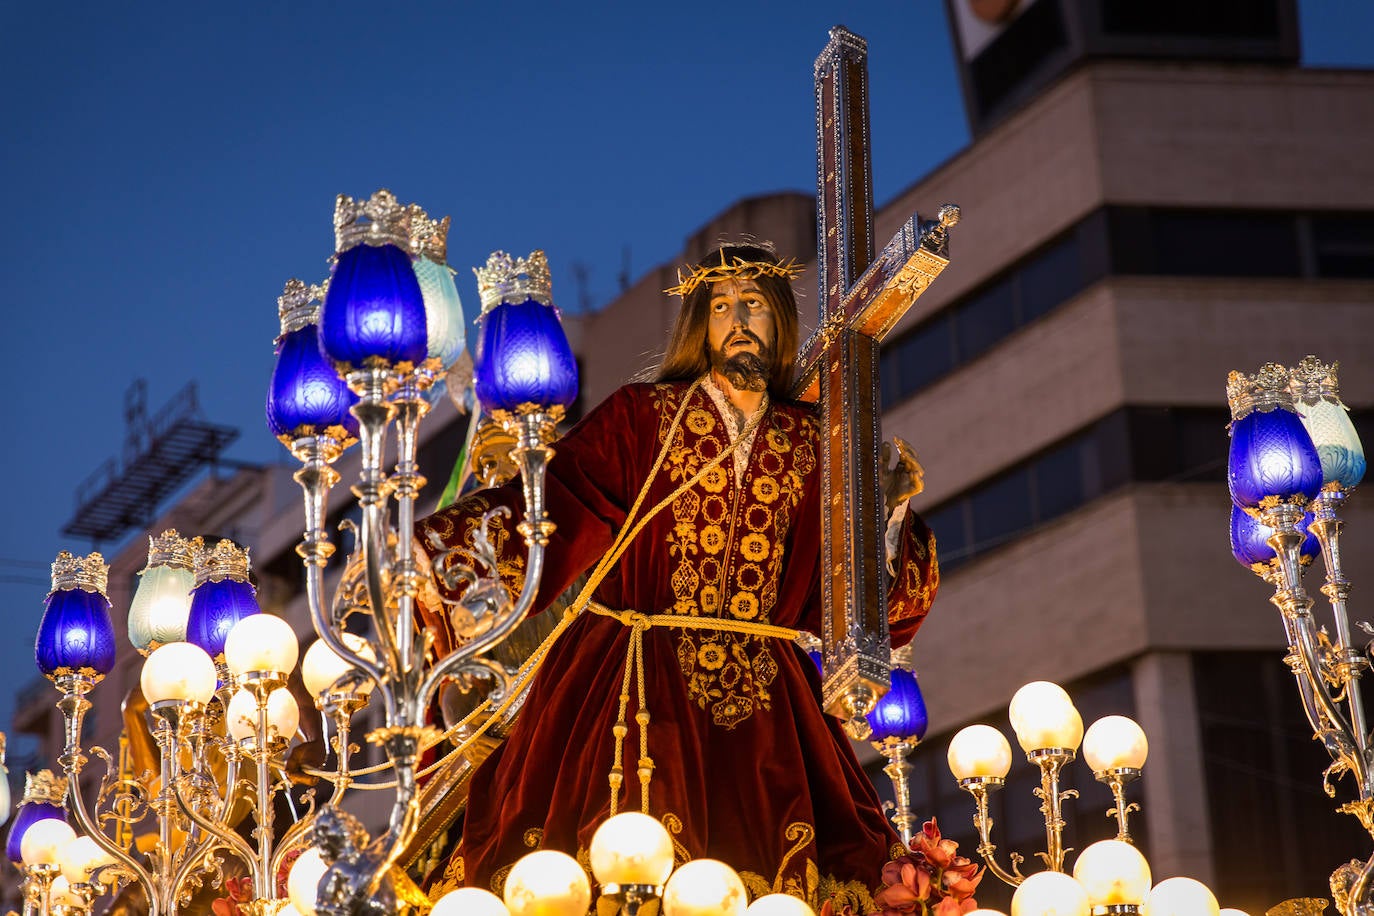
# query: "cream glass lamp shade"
[779,905]
[1043,716]
[178,671]
[979,750]
[1181,897]
[44,839]
[282,715]
[547,883]
[261,642]
[60,893]
[983,912]
[321,668]
[1113,873]
[631,848]
[704,887]
[1232,911]
[5,798]
[81,856]
[303,882]
[1114,742]
[160,607]
[1036,694]
[469,901]
[1049,893]
[289,910]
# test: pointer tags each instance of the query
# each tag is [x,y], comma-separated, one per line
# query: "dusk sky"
[171,165]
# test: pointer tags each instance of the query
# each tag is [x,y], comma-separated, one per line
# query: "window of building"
[1343,245]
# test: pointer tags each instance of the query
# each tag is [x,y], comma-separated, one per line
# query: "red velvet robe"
[748,768]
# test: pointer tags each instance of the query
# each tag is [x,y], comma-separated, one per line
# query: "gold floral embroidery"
[744,606]
[765,489]
[700,422]
[711,656]
[754,547]
[715,480]
[712,539]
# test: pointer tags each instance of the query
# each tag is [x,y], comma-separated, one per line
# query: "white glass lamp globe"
[60,893]
[1036,694]
[261,642]
[631,848]
[985,912]
[779,905]
[704,887]
[322,667]
[1114,873]
[547,883]
[1050,723]
[178,671]
[160,607]
[1115,742]
[303,882]
[1181,897]
[469,901]
[43,839]
[1049,893]
[1232,911]
[979,751]
[79,857]
[282,715]
[289,910]
[5,799]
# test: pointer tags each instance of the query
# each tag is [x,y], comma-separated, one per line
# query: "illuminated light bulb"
[779,905]
[303,882]
[1232,911]
[1181,897]
[60,893]
[160,606]
[979,751]
[282,715]
[469,901]
[43,840]
[261,642]
[1043,716]
[631,848]
[322,667]
[1113,743]
[1113,873]
[1036,694]
[289,910]
[547,883]
[1049,893]
[178,671]
[985,912]
[81,856]
[704,887]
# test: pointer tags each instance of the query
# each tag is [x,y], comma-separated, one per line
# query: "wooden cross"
[860,300]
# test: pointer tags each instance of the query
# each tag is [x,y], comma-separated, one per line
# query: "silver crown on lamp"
[379,220]
[429,237]
[299,304]
[507,279]
[171,549]
[1263,391]
[226,560]
[89,573]
[43,786]
[1313,380]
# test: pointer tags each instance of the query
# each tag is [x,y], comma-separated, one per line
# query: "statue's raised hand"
[904,479]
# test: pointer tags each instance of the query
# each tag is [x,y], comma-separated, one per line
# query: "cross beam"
[861,299]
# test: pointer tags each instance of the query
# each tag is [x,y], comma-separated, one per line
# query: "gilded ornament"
[43,786]
[226,560]
[515,280]
[170,549]
[89,573]
[298,306]
[379,220]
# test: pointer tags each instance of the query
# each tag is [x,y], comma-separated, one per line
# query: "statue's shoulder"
[796,413]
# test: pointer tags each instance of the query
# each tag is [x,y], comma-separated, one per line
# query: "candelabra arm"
[980,787]
[1350,663]
[74,704]
[226,837]
[314,588]
[411,408]
[374,414]
[899,771]
[262,758]
[1116,780]
[1051,762]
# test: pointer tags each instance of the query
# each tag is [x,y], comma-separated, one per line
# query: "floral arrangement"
[931,880]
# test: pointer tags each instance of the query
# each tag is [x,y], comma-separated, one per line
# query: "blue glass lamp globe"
[1250,536]
[221,598]
[1272,457]
[523,357]
[76,635]
[307,397]
[901,713]
[29,813]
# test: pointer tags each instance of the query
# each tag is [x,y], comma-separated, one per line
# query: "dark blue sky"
[170,165]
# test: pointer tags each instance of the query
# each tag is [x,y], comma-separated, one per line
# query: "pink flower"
[931,880]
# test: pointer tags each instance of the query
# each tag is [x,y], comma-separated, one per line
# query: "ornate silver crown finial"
[1313,380]
[429,237]
[89,573]
[226,560]
[379,220]
[43,786]
[299,304]
[171,549]
[1266,390]
[507,279]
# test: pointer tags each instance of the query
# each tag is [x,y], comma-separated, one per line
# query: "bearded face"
[740,334]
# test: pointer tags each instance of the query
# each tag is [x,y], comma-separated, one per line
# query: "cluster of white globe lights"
[631,854]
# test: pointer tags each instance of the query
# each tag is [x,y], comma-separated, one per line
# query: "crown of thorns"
[738,269]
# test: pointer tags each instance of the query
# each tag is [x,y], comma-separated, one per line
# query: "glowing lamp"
[282,715]
[43,839]
[1272,457]
[178,671]
[303,881]
[1250,541]
[1049,893]
[1113,873]
[631,848]
[162,602]
[523,356]
[901,713]
[979,751]
[779,905]
[469,901]
[306,397]
[547,883]
[704,887]
[42,799]
[1317,398]
[321,668]
[261,642]
[221,598]
[1043,716]
[76,635]
[1115,742]
[80,857]
[446,328]
[1181,897]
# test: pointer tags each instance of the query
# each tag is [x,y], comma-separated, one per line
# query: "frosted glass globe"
[704,887]
[322,667]
[1035,695]
[5,799]
[81,856]
[178,671]
[631,848]
[1113,742]
[1113,873]
[779,905]
[1051,724]
[160,607]
[303,882]
[1181,897]
[261,642]
[979,750]
[60,893]
[289,910]
[1232,911]
[547,883]
[469,901]
[1049,893]
[43,839]
[282,715]
[985,912]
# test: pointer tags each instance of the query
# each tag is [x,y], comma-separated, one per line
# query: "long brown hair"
[686,357]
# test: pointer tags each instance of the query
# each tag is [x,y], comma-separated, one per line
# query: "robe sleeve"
[916,578]
[586,494]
